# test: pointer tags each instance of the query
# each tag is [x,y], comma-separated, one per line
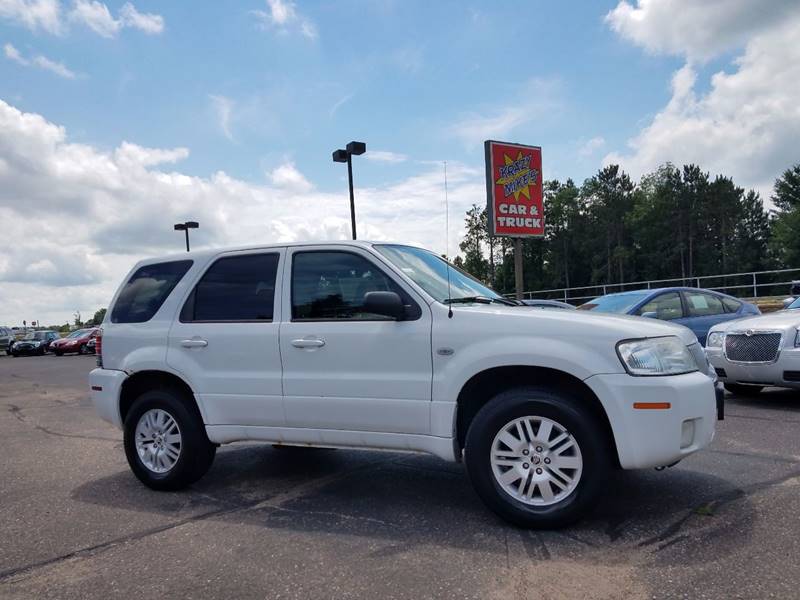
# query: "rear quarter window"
[731,305]
[146,290]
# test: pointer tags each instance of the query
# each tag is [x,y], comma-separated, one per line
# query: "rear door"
[344,368]
[225,340]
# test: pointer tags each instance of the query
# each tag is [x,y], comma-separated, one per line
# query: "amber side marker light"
[652,405]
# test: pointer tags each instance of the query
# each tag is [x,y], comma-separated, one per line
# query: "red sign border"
[487,146]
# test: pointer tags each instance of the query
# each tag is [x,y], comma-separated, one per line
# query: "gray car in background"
[6,339]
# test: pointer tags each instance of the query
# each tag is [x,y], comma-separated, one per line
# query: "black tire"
[196,453]
[58,353]
[569,412]
[82,349]
[738,389]
[14,354]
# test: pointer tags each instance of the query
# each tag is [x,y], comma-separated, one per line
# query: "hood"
[782,319]
[558,323]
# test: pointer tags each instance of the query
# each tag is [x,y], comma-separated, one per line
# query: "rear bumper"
[658,437]
[105,386]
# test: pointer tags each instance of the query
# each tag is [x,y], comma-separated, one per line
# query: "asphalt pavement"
[305,523]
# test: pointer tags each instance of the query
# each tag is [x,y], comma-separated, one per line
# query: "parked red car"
[74,342]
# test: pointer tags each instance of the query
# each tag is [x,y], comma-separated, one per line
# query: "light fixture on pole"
[345,156]
[185,227]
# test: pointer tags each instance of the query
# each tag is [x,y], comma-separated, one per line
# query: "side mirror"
[387,304]
[650,314]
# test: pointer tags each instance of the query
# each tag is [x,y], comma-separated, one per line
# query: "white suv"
[368,345]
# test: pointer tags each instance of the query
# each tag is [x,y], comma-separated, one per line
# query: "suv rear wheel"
[537,457]
[165,441]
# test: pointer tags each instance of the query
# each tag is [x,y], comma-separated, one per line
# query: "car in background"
[760,351]
[35,342]
[547,304]
[75,342]
[7,338]
[695,308]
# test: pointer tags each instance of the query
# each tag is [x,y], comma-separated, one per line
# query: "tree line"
[674,223]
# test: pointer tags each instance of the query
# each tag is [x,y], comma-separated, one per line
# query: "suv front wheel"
[165,441]
[537,457]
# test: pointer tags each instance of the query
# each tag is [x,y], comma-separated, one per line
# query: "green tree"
[99,316]
[785,241]
[472,245]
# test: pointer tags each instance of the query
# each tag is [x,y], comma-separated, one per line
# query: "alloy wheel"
[158,440]
[536,461]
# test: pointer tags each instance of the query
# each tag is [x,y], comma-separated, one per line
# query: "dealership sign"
[514,190]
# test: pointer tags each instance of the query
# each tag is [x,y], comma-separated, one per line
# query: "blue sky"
[118,119]
[399,75]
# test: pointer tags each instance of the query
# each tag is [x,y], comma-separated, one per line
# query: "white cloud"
[38,61]
[146,22]
[33,14]
[385,156]
[287,176]
[746,125]
[536,98]
[409,58]
[223,108]
[339,103]
[589,147]
[697,30]
[97,17]
[283,16]
[96,212]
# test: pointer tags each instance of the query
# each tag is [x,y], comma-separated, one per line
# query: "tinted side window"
[666,306]
[731,305]
[235,288]
[146,291]
[703,305]
[332,285]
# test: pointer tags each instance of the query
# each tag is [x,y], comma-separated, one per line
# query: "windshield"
[35,335]
[795,304]
[79,333]
[615,303]
[429,272]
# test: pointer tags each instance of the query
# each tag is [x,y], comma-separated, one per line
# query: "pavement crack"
[760,455]
[17,573]
[74,435]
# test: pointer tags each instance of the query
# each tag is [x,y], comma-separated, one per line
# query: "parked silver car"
[749,354]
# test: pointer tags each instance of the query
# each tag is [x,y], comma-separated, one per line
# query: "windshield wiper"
[480,300]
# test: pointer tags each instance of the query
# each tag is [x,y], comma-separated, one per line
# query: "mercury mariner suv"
[386,346]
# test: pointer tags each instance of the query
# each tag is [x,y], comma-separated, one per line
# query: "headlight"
[35,344]
[656,356]
[715,339]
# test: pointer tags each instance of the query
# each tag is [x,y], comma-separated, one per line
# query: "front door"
[226,340]
[344,368]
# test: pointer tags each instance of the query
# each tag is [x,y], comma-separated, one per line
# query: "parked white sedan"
[749,354]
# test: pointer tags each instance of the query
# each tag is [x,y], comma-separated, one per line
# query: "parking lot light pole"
[346,155]
[185,227]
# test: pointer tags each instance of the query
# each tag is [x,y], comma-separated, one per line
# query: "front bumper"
[657,437]
[27,350]
[757,374]
[105,386]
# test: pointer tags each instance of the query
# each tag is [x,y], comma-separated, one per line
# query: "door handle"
[195,343]
[308,343]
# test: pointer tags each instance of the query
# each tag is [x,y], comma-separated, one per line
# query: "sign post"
[514,201]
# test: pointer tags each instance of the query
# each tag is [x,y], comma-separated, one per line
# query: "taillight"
[98,348]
